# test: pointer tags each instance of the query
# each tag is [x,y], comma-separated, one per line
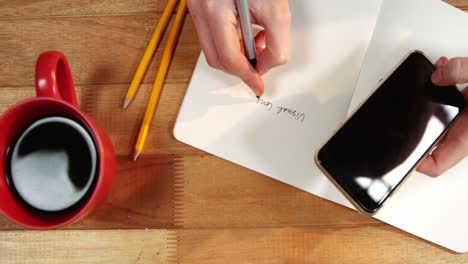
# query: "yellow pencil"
[160,76]
[153,44]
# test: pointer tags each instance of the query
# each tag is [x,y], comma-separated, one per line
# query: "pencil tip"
[258,97]
[126,103]
[136,154]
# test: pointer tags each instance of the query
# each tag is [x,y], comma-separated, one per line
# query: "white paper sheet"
[434,209]
[330,39]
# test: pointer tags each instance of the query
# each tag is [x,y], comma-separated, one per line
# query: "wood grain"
[296,245]
[41,8]
[83,247]
[100,49]
[242,198]
[193,191]
[308,245]
[143,196]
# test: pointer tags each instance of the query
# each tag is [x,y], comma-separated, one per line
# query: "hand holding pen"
[217,25]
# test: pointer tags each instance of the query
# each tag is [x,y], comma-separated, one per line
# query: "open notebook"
[340,51]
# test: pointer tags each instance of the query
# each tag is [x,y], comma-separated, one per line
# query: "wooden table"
[176,204]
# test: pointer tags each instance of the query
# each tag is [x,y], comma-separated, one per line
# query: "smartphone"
[387,137]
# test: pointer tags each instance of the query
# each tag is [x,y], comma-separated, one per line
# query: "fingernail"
[439,62]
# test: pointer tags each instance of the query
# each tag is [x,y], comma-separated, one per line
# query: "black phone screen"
[390,133]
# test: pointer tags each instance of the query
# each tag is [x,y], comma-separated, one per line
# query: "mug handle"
[54,79]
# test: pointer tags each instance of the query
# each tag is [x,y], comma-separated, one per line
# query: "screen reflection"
[383,141]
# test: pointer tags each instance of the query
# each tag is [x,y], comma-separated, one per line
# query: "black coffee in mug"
[53,164]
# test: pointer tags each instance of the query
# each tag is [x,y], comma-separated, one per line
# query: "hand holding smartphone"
[387,137]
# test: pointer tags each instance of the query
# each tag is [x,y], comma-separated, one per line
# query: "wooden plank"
[204,192]
[381,244]
[35,8]
[352,245]
[215,193]
[100,50]
[143,196]
[82,247]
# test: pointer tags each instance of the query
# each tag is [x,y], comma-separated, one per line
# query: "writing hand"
[217,22]
[454,146]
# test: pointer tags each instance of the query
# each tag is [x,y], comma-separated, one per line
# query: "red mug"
[55,97]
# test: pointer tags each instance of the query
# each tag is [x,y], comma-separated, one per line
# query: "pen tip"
[126,103]
[258,97]
[136,154]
